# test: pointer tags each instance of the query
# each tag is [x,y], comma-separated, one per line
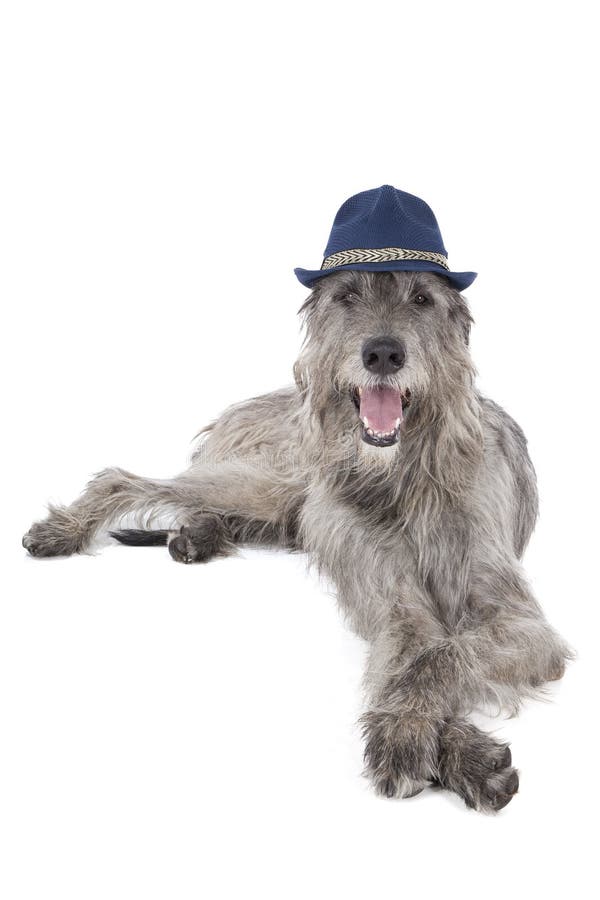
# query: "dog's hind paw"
[48,538]
[201,542]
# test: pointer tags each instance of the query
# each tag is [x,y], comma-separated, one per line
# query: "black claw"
[505,760]
[388,788]
[501,798]
[501,801]
[513,783]
[414,793]
[178,549]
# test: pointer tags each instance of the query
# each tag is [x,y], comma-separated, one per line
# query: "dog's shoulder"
[508,464]
[498,425]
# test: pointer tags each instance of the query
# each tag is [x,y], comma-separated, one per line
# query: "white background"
[186,732]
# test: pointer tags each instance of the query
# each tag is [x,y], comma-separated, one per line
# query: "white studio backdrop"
[190,732]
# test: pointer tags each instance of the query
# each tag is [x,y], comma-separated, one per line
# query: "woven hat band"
[383,254]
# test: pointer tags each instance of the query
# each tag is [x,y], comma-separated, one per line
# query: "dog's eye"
[421,299]
[348,299]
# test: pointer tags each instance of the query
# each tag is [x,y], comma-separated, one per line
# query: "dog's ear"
[306,311]
[300,377]
[460,314]
[309,304]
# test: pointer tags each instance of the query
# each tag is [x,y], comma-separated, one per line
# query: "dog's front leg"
[514,648]
[421,685]
[412,686]
[415,734]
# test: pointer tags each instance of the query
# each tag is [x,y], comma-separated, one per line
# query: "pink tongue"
[382,407]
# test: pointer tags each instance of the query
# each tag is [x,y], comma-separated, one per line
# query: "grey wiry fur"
[423,538]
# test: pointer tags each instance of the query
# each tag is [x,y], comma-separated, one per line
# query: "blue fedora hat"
[385,230]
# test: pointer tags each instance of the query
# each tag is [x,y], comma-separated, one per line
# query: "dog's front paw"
[401,750]
[476,767]
[498,789]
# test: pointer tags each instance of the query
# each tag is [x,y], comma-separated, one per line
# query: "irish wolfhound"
[409,489]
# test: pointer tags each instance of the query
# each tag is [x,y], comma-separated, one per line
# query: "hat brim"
[458,280]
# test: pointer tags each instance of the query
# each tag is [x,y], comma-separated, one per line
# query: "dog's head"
[383,351]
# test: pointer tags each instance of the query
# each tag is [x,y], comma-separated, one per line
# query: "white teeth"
[397,423]
[382,434]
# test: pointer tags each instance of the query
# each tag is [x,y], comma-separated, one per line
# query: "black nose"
[383,355]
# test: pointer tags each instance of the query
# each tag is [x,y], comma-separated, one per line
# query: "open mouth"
[381,410]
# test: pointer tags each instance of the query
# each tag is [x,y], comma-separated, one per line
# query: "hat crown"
[385,217]
[385,230]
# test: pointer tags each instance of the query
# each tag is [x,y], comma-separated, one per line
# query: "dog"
[406,487]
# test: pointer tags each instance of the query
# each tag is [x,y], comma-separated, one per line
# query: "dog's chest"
[377,560]
[370,561]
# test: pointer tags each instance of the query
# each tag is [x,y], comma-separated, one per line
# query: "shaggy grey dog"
[409,489]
